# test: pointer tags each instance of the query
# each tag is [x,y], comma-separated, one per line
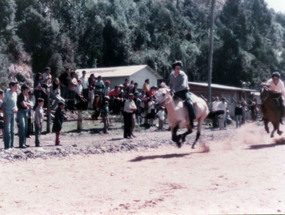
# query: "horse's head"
[264,92]
[163,96]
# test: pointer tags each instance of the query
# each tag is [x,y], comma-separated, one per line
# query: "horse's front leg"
[266,125]
[176,138]
[274,129]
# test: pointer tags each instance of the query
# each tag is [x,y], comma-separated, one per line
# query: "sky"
[277,5]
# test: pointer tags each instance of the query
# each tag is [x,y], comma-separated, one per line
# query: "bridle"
[166,101]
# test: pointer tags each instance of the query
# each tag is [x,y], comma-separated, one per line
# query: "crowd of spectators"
[71,91]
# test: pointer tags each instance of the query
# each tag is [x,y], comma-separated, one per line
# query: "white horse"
[177,114]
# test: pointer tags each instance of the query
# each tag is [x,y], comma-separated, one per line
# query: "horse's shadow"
[278,142]
[152,157]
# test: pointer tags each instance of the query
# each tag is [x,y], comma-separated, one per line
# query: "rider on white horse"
[179,85]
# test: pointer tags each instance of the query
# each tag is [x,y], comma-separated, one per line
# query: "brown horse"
[271,109]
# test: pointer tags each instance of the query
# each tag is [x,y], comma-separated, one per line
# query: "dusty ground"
[229,172]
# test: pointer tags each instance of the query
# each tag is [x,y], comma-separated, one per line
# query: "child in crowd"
[1,114]
[161,117]
[105,115]
[57,122]
[39,116]
[238,114]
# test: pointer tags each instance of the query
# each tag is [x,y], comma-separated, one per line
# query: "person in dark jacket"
[238,114]
[58,121]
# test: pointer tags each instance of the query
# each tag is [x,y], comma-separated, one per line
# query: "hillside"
[249,38]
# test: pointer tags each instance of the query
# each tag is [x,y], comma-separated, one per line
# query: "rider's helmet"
[276,74]
[177,63]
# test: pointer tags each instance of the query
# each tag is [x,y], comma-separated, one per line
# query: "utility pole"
[210,62]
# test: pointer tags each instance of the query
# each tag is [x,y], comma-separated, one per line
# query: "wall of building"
[232,96]
[142,75]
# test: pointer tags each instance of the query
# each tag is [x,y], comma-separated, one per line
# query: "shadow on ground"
[152,157]
[278,142]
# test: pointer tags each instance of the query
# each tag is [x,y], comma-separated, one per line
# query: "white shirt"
[79,89]
[129,105]
[161,115]
[84,82]
[223,106]
[150,106]
[47,79]
[277,88]
[215,105]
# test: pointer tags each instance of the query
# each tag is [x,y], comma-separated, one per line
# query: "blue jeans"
[238,120]
[64,92]
[38,131]
[9,131]
[23,126]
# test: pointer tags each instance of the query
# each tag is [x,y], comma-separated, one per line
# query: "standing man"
[85,91]
[222,117]
[9,108]
[23,105]
[129,109]
[99,86]
[179,85]
[107,88]
[146,86]
[64,79]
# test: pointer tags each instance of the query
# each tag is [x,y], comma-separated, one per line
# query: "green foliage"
[249,38]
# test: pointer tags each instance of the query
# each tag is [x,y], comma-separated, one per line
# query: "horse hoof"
[178,144]
[279,133]
[193,147]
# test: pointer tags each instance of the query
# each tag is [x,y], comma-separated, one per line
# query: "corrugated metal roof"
[219,86]
[120,71]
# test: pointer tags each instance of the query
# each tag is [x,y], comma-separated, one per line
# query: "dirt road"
[235,176]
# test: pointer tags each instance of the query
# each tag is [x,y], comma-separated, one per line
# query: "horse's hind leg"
[279,132]
[198,134]
[196,140]
[189,131]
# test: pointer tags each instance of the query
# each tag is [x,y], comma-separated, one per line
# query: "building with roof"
[232,94]
[117,75]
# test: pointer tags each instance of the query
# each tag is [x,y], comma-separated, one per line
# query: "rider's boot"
[192,123]
[191,112]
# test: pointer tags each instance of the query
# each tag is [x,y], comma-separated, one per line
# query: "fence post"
[79,121]
[48,110]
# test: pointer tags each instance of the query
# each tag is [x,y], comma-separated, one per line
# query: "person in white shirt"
[85,90]
[276,85]
[129,109]
[215,104]
[47,78]
[222,107]
[161,117]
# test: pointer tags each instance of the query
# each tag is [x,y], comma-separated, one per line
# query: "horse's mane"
[163,85]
